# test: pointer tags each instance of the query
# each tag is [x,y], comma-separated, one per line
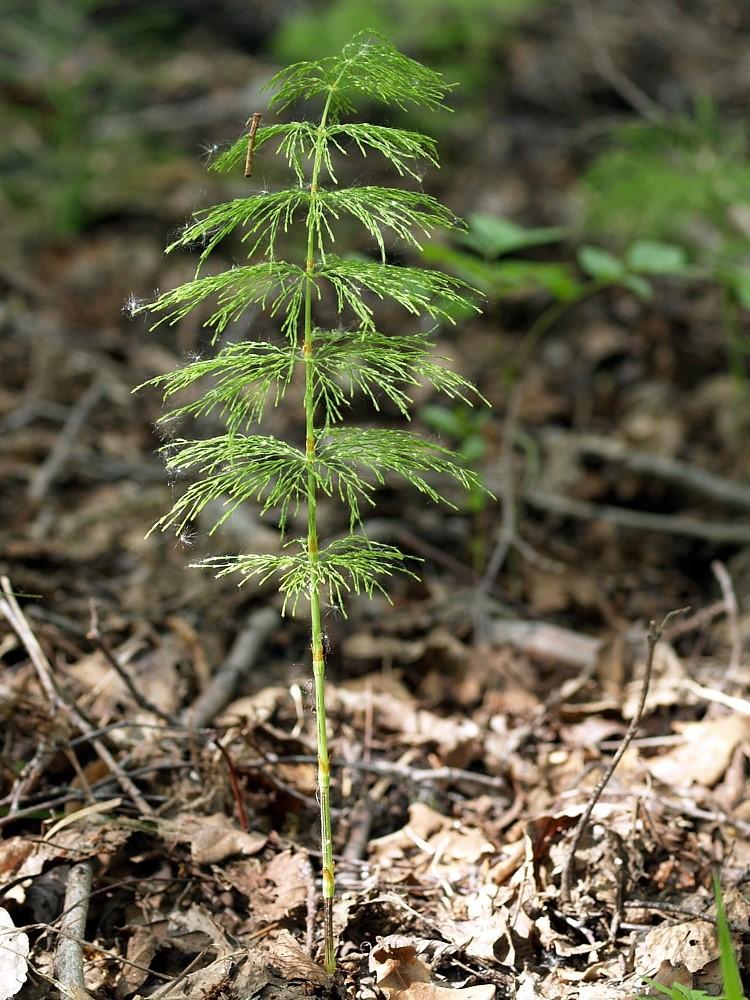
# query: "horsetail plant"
[338,461]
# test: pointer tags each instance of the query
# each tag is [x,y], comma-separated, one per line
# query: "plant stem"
[316,630]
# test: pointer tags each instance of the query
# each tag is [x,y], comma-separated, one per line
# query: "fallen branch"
[671,470]
[69,956]
[652,639]
[719,532]
[733,618]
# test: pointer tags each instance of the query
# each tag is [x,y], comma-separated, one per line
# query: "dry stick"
[253,122]
[733,616]
[12,612]
[654,634]
[241,657]
[95,636]
[49,470]
[628,89]
[69,957]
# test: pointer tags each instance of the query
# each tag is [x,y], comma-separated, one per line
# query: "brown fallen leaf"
[211,838]
[690,945]
[286,956]
[704,755]
[402,976]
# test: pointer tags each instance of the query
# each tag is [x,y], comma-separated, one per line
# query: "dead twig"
[739,705]
[507,531]
[605,65]
[96,638]
[652,639]
[235,785]
[253,122]
[69,956]
[241,657]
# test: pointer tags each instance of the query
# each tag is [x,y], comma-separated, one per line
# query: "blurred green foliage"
[65,69]
[461,38]
[686,180]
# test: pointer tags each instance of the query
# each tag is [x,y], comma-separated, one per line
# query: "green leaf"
[600,264]
[378,209]
[261,217]
[235,468]
[492,236]
[399,146]
[638,286]
[297,143]
[378,365]
[531,275]
[274,283]
[506,277]
[652,257]
[349,454]
[443,420]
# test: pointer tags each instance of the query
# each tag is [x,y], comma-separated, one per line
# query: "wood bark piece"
[549,643]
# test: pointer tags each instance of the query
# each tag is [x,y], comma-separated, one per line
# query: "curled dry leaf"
[402,976]
[14,953]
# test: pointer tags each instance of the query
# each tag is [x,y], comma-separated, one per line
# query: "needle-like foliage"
[328,458]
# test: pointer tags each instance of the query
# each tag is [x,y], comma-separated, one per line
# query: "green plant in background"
[63,74]
[686,181]
[730,973]
[490,260]
[330,458]
[461,36]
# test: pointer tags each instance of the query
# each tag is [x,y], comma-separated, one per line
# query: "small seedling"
[328,457]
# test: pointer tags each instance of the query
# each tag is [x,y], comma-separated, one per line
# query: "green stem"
[316,629]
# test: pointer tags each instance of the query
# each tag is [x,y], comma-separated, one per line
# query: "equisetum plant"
[330,458]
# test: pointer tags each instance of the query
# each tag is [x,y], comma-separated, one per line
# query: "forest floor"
[158,735]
